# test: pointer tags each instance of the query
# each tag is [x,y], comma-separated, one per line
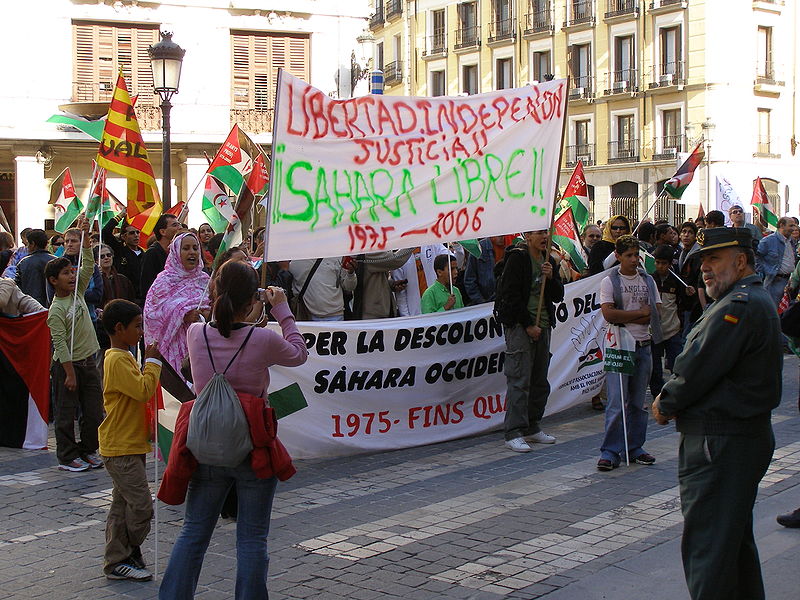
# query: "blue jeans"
[776,288]
[635,388]
[207,491]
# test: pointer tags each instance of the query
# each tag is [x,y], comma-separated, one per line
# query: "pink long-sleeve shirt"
[249,373]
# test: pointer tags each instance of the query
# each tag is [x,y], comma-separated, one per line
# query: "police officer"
[723,388]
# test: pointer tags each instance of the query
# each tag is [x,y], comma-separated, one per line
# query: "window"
[438,43]
[256,60]
[438,83]
[467,34]
[764,68]
[100,49]
[469,79]
[580,65]
[625,128]
[582,133]
[502,24]
[501,10]
[671,129]
[379,62]
[624,62]
[671,60]
[541,65]
[763,145]
[503,74]
[398,47]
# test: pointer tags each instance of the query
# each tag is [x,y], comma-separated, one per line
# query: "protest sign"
[396,383]
[377,172]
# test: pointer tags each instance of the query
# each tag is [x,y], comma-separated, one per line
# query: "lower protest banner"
[386,384]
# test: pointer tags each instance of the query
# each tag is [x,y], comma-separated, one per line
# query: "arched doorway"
[625,199]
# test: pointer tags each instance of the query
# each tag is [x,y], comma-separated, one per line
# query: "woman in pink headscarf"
[177,298]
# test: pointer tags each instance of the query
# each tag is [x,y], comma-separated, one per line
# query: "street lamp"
[165,61]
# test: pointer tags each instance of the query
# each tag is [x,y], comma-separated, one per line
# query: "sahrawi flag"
[254,186]
[762,207]
[566,235]
[24,383]
[234,160]
[122,151]
[619,350]
[576,195]
[217,205]
[65,201]
[677,184]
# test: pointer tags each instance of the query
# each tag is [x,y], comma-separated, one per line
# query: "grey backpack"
[219,434]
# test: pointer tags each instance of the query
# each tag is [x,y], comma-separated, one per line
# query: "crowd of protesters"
[104,290]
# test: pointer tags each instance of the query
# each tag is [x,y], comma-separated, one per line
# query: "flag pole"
[624,421]
[268,207]
[75,298]
[553,207]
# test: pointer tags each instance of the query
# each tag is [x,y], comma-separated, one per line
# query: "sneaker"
[127,571]
[94,461]
[518,445]
[76,466]
[791,520]
[605,465]
[645,459]
[540,438]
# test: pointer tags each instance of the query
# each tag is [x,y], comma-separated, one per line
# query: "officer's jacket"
[728,378]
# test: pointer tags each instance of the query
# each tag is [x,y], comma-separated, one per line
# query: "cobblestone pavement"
[463,519]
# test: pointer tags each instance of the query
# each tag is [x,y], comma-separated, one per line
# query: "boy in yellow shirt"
[124,440]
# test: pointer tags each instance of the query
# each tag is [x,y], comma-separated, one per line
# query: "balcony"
[625,81]
[435,46]
[579,14]
[668,146]
[376,20]
[393,72]
[624,151]
[253,120]
[765,148]
[539,22]
[583,88]
[621,10]
[768,78]
[580,152]
[502,32]
[394,8]
[668,74]
[658,7]
[468,38]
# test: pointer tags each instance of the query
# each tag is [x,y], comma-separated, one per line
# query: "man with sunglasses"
[127,251]
[736,214]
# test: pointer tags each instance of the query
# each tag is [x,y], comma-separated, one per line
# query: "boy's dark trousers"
[89,396]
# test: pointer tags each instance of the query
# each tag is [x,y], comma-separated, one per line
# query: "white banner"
[383,172]
[726,197]
[397,383]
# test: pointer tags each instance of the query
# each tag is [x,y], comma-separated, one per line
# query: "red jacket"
[269,457]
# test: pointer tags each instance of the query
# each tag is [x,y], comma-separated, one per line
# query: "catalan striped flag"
[122,151]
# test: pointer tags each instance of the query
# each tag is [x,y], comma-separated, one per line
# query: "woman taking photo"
[177,298]
[211,347]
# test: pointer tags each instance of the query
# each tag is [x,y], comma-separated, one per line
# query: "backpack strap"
[308,278]
[208,348]
[244,343]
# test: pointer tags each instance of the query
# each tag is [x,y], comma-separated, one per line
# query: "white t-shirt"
[634,297]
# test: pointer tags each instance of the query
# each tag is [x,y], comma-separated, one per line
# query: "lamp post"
[165,61]
[708,129]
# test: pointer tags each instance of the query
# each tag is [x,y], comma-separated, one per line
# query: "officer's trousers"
[719,477]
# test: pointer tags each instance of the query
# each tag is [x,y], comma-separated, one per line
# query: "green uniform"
[724,386]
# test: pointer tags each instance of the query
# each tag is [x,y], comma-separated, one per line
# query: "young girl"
[254,479]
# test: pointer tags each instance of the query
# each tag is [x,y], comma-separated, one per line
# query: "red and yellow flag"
[122,151]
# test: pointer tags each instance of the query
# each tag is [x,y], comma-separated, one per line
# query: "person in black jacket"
[155,258]
[128,254]
[528,272]
[30,270]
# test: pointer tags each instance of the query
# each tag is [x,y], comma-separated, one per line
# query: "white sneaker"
[517,445]
[127,571]
[541,438]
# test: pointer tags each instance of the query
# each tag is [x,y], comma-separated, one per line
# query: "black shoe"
[605,465]
[645,459]
[791,520]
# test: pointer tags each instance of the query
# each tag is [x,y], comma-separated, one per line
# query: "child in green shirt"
[442,295]
[75,375]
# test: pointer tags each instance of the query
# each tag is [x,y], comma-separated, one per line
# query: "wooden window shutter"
[84,72]
[241,71]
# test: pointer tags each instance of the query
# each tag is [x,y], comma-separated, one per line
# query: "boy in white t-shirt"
[629,297]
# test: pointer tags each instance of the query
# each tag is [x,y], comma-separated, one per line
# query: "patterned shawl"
[174,293]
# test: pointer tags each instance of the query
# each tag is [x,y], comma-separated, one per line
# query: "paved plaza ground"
[457,520]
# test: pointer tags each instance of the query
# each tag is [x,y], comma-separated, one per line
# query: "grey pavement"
[458,520]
